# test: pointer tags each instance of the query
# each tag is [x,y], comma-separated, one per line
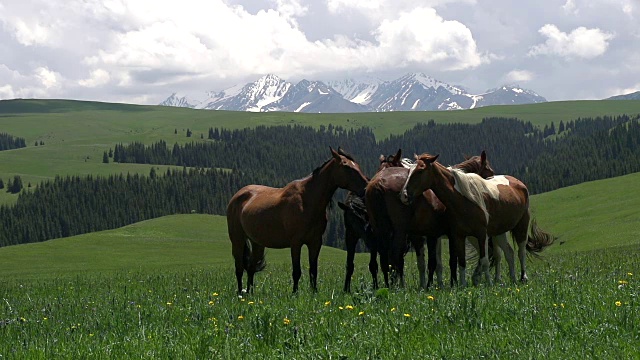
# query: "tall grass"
[578,305]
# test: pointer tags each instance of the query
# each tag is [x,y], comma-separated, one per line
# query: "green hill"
[589,216]
[76,133]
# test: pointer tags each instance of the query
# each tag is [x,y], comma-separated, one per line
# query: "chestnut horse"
[356,224]
[480,208]
[289,217]
[392,221]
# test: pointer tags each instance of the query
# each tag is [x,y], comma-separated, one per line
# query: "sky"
[142,51]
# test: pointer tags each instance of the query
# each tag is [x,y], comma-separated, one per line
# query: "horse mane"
[345,154]
[317,170]
[470,165]
[473,187]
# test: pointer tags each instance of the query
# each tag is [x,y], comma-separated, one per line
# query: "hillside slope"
[593,215]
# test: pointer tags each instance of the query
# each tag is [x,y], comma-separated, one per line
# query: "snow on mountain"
[412,92]
[177,101]
[358,91]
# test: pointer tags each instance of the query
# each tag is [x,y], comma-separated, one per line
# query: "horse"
[289,217]
[392,221]
[480,208]
[357,227]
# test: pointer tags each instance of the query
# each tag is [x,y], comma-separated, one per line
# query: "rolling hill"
[593,215]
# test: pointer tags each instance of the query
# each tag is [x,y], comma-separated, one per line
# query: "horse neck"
[320,186]
[443,185]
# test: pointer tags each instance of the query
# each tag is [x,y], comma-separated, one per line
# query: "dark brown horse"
[480,208]
[289,217]
[356,225]
[392,221]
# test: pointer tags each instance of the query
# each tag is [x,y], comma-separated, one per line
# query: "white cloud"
[97,77]
[570,7]
[46,77]
[516,76]
[41,83]
[581,42]
[6,92]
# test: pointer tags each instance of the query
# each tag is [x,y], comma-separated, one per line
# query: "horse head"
[390,161]
[347,173]
[419,178]
[477,164]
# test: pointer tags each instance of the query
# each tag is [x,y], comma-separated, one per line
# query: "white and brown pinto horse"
[289,217]
[480,208]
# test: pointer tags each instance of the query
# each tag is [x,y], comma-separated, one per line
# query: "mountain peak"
[411,92]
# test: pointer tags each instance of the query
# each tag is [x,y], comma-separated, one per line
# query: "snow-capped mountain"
[357,91]
[177,101]
[412,92]
[250,97]
[314,97]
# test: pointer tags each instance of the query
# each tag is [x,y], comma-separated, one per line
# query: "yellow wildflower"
[431,298]
[169,303]
[618,303]
[215,294]
[240,317]
[623,282]
[349,307]
[211,303]
[361,313]
[327,303]
[407,315]
[630,274]
[340,307]
[393,309]
[286,321]
[250,303]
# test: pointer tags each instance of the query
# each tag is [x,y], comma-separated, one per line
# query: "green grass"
[165,288]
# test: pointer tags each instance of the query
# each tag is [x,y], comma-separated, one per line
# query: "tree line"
[213,170]
[8,142]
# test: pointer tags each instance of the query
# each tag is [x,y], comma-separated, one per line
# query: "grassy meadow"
[165,288]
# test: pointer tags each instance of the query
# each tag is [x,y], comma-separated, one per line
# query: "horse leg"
[432,250]
[373,266]
[351,240]
[483,263]
[503,243]
[256,263]
[238,247]
[314,253]
[397,256]
[497,257]
[453,261]
[295,262]
[461,256]
[519,234]
[418,245]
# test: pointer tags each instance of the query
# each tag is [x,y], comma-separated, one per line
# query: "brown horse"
[289,217]
[392,221]
[480,208]
[356,225]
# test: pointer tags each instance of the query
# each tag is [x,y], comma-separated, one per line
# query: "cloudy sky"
[141,51]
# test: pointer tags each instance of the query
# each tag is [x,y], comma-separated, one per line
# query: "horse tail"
[246,257]
[538,239]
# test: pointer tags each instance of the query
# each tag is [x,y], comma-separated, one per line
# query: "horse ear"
[381,158]
[398,156]
[334,153]
[483,157]
[433,159]
[416,157]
